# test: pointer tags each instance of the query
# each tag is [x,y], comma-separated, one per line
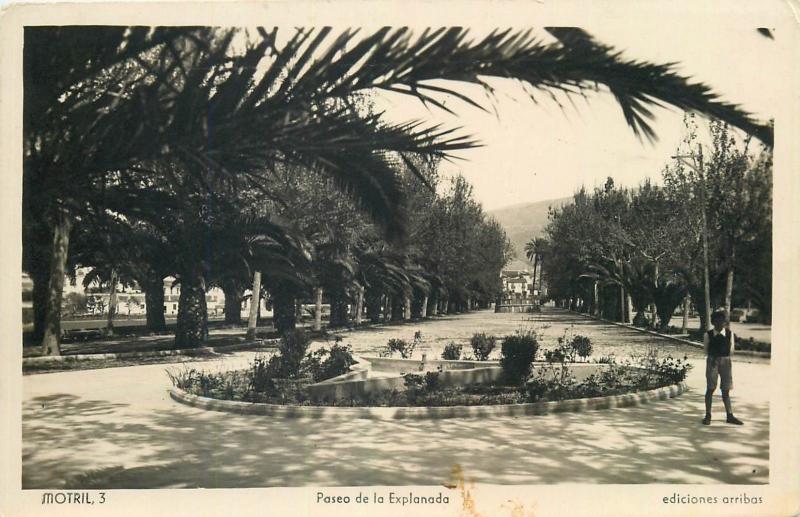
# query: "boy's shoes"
[733,420]
[707,420]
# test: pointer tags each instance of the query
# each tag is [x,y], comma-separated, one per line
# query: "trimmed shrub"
[413,381]
[452,352]
[326,364]
[482,346]
[401,346]
[260,375]
[582,346]
[291,352]
[431,380]
[556,355]
[516,355]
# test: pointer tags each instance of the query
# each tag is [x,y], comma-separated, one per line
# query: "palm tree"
[634,276]
[186,95]
[532,256]
[535,251]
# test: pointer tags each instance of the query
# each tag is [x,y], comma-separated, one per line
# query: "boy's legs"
[709,398]
[726,383]
[726,399]
[711,384]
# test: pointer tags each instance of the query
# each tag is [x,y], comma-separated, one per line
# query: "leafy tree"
[104,100]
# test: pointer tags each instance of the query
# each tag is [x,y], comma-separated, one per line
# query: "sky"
[538,151]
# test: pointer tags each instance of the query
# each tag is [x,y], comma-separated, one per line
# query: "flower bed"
[390,382]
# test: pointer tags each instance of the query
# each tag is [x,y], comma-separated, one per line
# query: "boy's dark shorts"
[719,367]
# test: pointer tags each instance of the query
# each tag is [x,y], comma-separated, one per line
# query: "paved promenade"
[118,428]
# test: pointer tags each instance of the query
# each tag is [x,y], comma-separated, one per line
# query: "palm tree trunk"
[255,306]
[359,305]
[284,308]
[541,274]
[318,309]
[55,289]
[339,314]
[423,310]
[41,284]
[233,302]
[685,323]
[397,308]
[154,303]
[621,304]
[192,326]
[629,309]
[373,301]
[112,302]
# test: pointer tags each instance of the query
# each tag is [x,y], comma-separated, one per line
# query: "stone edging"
[398,413]
[150,353]
[695,344]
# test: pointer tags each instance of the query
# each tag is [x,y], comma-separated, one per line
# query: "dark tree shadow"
[101,446]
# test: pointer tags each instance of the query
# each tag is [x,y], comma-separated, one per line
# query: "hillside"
[522,222]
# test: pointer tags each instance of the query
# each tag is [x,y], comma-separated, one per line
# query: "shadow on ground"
[184,447]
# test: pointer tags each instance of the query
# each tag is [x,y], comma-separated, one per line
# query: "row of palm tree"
[158,126]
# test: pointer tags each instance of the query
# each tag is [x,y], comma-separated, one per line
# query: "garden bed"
[397,413]
[334,378]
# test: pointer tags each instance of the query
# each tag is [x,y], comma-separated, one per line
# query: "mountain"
[524,221]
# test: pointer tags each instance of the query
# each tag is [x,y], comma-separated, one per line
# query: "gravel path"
[118,428]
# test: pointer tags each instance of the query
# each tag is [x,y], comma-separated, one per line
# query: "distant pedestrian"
[719,343]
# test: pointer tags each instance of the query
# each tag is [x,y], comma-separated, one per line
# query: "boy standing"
[719,344]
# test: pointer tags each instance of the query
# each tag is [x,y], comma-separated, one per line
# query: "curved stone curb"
[695,344]
[150,353]
[398,413]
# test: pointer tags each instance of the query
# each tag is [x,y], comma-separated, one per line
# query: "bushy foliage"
[482,346]
[224,385]
[291,352]
[670,370]
[431,380]
[518,351]
[413,381]
[288,363]
[569,348]
[397,345]
[752,344]
[582,346]
[401,346]
[452,352]
[260,375]
[557,355]
[556,382]
[329,363]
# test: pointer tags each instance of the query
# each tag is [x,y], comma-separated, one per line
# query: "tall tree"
[98,96]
